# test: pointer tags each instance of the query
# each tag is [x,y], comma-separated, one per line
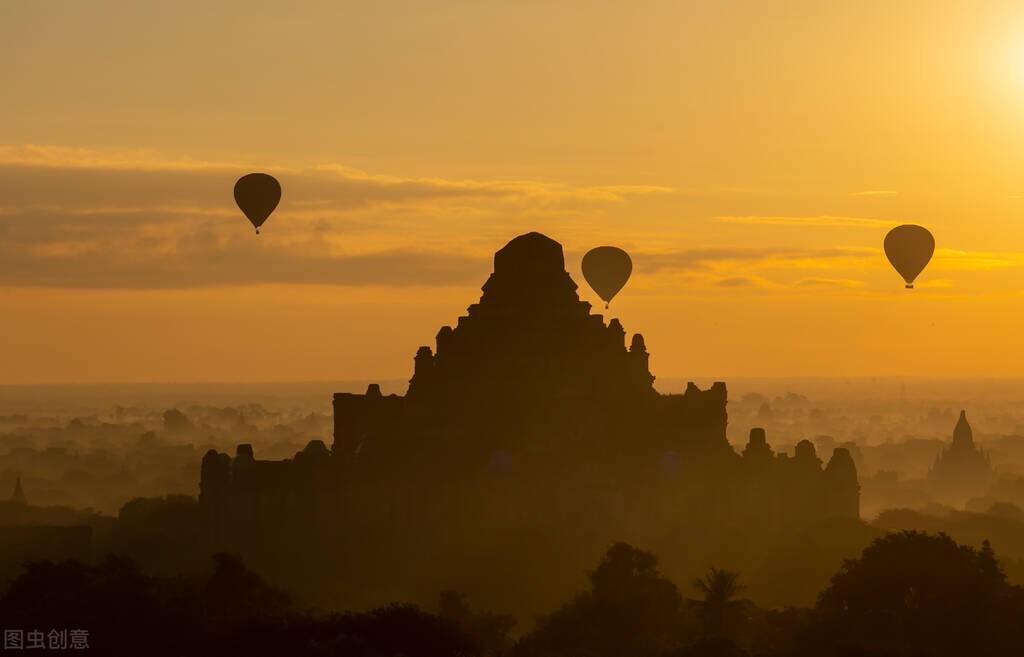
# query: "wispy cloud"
[821,220]
[737,281]
[77,218]
[82,218]
[39,155]
[703,258]
[86,178]
[875,192]
[829,283]
[763,283]
[204,258]
[976,260]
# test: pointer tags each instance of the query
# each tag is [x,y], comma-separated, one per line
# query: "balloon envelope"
[607,268]
[909,248]
[257,194]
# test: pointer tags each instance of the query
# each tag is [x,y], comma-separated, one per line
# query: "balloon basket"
[910,286]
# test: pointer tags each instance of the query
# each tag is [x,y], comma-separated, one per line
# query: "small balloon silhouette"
[607,268]
[257,194]
[909,248]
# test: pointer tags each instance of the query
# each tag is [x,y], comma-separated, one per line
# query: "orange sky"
[749,155]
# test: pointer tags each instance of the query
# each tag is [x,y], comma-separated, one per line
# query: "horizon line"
[370,380]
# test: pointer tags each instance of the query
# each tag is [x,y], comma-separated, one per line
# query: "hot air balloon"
[909,248]
[257,194]
[607,268]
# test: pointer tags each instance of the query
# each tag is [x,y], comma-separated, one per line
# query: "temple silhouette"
[18,496]
[963,470]
[530,433]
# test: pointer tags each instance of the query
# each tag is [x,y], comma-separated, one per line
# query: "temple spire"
[963,436]
[18,497]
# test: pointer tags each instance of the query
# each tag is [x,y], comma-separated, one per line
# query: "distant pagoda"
[962,470]
[18,497]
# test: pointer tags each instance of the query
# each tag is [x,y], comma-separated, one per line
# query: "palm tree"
[719,611]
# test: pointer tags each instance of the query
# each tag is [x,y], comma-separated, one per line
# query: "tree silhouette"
[231,611]
[630,610]
[720,613]
[233,593]
[489,630]
[913,593]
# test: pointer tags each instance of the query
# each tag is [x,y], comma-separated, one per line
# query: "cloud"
[811,282]
[703,258]
[976,260]
[822,220]
[37,155]
[737,281]
[83,218]
[766,284]
[829,283]
[83,178]
[205,259]
[182,247]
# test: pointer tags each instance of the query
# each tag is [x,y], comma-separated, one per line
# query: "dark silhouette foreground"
[229,612]
[910,594]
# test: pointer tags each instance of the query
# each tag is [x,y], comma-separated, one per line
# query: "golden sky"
[749,155]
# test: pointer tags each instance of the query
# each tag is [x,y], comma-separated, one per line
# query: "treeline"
[908,594]
[230,611]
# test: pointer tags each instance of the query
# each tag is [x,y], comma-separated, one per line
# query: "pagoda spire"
[18,497]
[963,435]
